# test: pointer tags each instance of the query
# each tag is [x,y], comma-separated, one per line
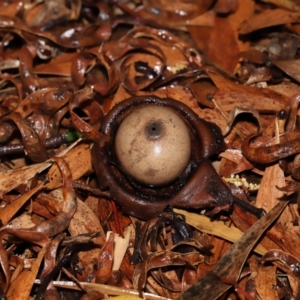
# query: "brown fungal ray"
[198,187]
[205,189]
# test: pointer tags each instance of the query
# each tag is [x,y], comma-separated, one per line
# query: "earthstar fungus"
[116,156]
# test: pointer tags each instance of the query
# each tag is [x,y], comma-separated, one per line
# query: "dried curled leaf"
[290,262]
[241,110]
[268,154]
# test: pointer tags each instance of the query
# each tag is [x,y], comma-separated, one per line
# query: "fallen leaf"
[230,265]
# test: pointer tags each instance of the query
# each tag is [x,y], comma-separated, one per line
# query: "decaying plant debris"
[74,224]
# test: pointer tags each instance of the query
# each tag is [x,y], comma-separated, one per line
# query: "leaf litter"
[74,224]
